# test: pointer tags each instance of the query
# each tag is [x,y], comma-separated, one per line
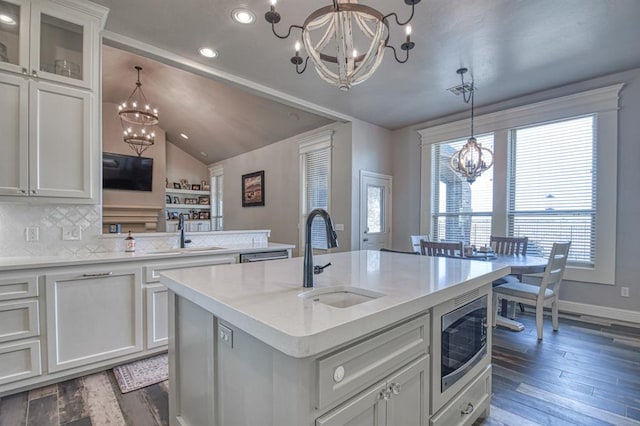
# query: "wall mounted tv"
[126,172]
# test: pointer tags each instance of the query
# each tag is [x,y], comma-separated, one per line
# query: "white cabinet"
[157,315]
[93,316]
[50,129]
[401,399]
[54,41]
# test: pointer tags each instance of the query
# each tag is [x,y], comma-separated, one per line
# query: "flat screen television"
[126,172]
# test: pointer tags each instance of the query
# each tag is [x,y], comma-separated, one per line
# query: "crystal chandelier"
[472,159]
[345,41]
[138,119]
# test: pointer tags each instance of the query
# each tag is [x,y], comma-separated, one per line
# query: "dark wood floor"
[586,374]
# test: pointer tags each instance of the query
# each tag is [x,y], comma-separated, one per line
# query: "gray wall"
[406,204]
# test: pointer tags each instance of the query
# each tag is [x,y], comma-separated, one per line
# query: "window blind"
[552,186]
[317,166]
[216,200]
[460,211]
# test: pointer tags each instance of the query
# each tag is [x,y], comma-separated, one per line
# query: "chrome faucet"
[181,229]
[332,241]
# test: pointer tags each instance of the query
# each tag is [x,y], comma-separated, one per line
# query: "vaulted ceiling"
[511,47]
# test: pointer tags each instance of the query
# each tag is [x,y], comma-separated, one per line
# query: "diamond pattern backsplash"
[15,218]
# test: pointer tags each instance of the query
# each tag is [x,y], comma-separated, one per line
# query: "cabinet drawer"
[19,361]
[468,405]
[345,372]
[152,272]
[18,287]
[18,320]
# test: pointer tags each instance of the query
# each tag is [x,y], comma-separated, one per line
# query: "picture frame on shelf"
[191,201]
[177,185]
[194,215]
[204,199]
[174,216]
[176,199]
[184,183]
[167,199]
[204,215]
[253,189]
[196,187]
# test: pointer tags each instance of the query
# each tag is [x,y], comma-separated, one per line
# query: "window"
[315,179]
[554,179]
[217,179]
[460,211]
[552,186]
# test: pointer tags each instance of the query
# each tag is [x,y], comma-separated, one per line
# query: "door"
[61,141]
[14,36]
[375,211]
[366,409]
[408,404]
[14,122]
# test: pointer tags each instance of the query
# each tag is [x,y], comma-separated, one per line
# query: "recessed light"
[6,19]
[204,154]
[243,16]
[208,52]
[184,136]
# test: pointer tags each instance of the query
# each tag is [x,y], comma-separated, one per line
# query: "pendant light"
[472,159]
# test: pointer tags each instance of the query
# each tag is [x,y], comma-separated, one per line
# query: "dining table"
[520,265]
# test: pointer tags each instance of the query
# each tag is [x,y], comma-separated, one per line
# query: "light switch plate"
[71,233]
[339,227]
[225,334]
[32,233]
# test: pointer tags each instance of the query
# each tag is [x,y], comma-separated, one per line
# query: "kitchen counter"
[264,299]
[20,262]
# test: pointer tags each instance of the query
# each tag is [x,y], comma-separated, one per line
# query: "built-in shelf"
[188,206]
[186,192]
[190,220]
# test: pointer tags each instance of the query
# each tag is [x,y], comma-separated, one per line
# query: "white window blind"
[216,201]
[460,211]
[552,186]
[316,191]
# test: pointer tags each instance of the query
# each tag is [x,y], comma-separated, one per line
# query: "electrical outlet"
[624,291]
[71,233]
[339,227]
[32,233]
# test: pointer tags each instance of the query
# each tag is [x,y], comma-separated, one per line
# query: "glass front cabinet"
[49,41]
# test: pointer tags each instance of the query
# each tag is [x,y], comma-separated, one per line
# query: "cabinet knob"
[395,388]
[21,191]
[338,374]
[34,73]
[467,410]
[34,192]
[385,394]
[25,71]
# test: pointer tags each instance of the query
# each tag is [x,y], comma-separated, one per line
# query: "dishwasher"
[263,256]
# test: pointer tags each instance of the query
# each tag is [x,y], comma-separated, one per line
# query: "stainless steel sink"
[341,297]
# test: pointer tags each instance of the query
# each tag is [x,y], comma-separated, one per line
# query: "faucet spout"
[181,229]
[332,241]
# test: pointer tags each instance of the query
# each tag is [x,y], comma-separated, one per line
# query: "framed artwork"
[177,185]
[176,200]
[190,201]
[203,199]
[196,187]
[167,199]
[204,215]
[253,189]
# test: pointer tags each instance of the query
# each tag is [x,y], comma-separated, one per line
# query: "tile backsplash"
[50,219]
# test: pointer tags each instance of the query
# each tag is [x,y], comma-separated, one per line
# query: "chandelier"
[138,119]
[472,159]
[345,41]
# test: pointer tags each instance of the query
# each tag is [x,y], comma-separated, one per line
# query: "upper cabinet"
[49,98]
[53,41]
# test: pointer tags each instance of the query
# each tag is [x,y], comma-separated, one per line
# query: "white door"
[14,116]
[375,211]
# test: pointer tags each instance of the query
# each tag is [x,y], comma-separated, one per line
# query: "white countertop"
[263,298]
[21,262]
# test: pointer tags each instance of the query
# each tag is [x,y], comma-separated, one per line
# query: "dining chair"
[415,241]
[437,248]
[398,251]
[543,295]
[509,245]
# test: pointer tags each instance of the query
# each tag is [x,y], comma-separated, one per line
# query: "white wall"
[406,205]
[181,165]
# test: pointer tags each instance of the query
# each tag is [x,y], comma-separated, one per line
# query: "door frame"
[388,201]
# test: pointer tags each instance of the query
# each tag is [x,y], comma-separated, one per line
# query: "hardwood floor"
[586,374]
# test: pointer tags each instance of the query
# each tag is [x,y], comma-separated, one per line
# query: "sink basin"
[341,297]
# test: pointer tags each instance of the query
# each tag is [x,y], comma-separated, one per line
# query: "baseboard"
[599,311]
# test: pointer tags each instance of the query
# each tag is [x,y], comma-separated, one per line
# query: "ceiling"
[512,48]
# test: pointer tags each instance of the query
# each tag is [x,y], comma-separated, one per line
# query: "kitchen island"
[249,346]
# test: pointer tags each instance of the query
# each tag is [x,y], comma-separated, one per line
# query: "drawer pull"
[98,274]
[395,388]
[385,395]
[467,410]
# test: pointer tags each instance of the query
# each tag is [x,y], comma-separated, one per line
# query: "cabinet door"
[408,405]
[61,141]
[93,316]
[61,44]
[366,409]
[14,114]
[14,35]
[157,315]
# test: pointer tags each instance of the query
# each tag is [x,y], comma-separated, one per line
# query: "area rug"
[145,372]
